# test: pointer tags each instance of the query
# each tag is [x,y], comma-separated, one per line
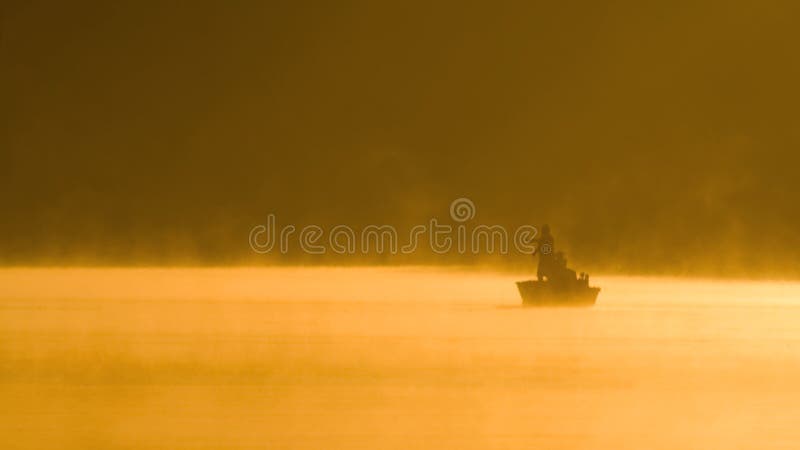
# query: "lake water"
[391,358]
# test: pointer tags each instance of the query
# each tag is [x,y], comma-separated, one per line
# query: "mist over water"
[654,138]
[391,358]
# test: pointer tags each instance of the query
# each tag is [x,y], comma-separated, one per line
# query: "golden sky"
[651,136]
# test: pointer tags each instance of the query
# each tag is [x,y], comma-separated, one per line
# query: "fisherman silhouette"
[545,248]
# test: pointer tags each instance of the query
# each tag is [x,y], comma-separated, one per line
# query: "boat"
[556,284]
[575,292]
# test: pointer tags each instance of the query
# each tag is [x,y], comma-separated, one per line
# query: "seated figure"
[560,272]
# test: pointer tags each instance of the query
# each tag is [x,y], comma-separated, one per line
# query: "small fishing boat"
[556,284]
[576,292]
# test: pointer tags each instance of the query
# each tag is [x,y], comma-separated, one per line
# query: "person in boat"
[560,272]
[546,250]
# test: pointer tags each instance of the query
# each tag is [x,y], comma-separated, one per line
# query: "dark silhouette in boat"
[556,284]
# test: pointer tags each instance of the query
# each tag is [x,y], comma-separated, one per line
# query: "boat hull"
[544,293]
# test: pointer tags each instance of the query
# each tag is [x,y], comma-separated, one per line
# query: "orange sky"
[652,137]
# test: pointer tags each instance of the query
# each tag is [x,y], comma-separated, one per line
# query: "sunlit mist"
[400,225]
[390,358]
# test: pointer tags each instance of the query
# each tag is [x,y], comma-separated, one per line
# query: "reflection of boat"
[566,293]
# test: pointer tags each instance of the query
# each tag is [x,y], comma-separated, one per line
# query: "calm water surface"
[363,358]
